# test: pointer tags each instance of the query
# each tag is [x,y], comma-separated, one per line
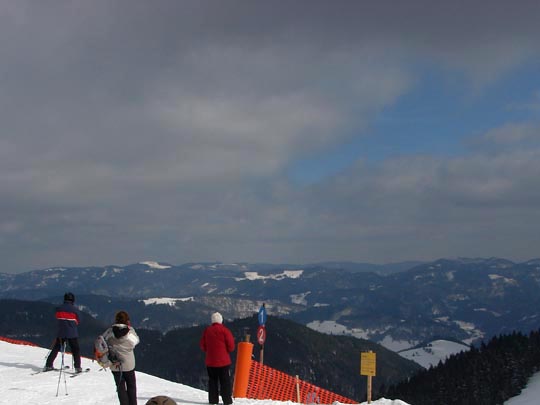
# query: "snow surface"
[20,384]
[254,275]
[335,328]
[155,265]
[434,352]
[300,299]
[530,395]
[165,301]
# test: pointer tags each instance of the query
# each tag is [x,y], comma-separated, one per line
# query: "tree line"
[489,374]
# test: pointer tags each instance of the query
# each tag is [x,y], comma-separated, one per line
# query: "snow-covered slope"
[433,352]
[530,395]
[21,385]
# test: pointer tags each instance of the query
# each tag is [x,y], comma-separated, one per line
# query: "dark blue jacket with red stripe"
[68,319]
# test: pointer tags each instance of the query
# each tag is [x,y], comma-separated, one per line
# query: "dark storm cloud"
[134,130]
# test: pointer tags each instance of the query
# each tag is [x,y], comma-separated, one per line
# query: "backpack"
[103,354]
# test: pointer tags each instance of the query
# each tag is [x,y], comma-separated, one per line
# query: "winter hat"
[69,297]
[216,318]
[160,400]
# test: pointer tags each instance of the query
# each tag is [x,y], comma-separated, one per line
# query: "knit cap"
[216,318]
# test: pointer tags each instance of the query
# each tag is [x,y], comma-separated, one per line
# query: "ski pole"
[64,371]
[63,348]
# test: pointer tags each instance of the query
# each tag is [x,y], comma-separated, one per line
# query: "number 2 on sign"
[261,335]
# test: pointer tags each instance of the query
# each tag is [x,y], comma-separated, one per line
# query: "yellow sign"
[368,363]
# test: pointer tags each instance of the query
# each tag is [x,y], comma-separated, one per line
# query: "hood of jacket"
[120,330]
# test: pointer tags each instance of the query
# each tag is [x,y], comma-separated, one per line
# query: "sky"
[278,132]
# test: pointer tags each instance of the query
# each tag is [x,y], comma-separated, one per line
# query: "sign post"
[261,330]
[368,368]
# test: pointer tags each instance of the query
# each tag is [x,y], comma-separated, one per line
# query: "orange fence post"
[243,365]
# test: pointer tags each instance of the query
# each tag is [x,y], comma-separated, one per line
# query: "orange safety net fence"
[17,342]
[268,383]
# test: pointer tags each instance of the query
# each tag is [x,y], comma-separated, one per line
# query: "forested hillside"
[490,374]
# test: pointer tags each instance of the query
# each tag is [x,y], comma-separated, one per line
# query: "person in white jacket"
[122,339]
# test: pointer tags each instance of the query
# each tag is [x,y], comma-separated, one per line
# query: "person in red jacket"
[217,342]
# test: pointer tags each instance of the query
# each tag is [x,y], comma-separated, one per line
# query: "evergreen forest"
[486,375]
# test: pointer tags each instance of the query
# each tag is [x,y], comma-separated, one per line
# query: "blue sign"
[262,315]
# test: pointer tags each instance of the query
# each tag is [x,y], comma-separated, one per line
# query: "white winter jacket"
[122,339]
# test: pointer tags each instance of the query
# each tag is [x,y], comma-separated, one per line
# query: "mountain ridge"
[464,299]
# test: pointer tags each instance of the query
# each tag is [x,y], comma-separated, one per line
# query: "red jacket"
[217,342]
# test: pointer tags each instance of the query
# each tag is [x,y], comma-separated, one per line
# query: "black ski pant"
[219,381]
[73,346]
[126,387]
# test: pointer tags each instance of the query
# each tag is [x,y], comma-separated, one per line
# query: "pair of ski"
[72,373]
[46,371]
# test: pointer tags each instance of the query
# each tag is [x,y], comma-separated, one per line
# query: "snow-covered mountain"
[461,299]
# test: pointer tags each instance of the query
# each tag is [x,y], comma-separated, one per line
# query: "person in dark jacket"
[68,318]
[217,342]
[122,339]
